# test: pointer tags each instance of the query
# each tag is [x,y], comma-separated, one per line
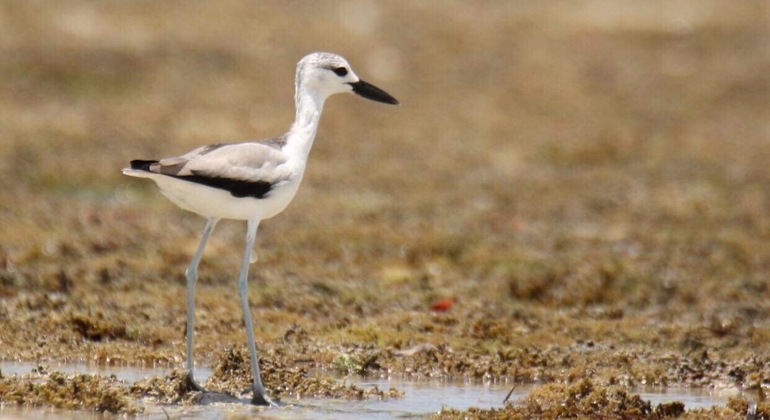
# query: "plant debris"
[90,392]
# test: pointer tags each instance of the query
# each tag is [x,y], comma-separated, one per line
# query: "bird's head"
[326,74]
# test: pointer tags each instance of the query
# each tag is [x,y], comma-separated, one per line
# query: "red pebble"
[442,305]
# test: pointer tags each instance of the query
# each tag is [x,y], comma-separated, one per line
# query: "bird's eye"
[340,71]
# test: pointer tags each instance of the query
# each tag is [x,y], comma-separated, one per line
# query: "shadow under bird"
[252,181]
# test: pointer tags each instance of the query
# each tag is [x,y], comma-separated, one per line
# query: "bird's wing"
[246,162]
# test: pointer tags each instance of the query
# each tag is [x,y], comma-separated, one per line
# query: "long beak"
[372,92]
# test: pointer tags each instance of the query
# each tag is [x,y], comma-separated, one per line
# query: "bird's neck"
[302,133]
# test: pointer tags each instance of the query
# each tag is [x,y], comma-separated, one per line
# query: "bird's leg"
[260,396]
[192,276]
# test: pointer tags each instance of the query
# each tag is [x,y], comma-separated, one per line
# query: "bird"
[252,181]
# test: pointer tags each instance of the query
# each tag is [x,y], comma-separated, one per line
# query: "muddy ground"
[572,194]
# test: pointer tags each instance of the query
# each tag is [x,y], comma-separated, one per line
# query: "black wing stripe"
[236,187]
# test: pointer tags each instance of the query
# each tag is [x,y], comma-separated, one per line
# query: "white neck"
[302,133]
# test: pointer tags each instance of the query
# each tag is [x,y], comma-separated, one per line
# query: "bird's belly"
[214,202]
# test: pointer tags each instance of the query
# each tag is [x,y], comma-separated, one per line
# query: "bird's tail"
[140,168]
[142,165]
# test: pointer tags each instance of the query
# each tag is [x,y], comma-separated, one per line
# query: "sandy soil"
[572,194]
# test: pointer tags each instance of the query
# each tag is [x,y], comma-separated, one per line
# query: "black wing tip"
[142,165]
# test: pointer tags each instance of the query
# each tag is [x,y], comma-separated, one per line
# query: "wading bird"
[252,181]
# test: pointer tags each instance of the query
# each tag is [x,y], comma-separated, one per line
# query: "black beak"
[372,92]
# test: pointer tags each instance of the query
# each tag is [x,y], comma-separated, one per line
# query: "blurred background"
[587,160]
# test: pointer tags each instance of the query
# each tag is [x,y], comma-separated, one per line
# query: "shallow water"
[421,398]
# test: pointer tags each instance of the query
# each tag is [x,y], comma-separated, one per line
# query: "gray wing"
[239,161]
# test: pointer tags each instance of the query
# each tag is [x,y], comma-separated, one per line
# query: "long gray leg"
[192,276]
[260,396]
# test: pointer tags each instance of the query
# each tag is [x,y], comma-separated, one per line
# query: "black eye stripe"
[340,71]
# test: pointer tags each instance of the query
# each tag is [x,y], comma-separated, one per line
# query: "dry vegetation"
[585,185]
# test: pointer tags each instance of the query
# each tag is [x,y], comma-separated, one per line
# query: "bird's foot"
[261,398]
[192,384]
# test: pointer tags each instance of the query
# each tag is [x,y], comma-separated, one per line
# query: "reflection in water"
[420,397]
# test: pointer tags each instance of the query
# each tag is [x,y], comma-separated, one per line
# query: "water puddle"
[127,373]
[421,398]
